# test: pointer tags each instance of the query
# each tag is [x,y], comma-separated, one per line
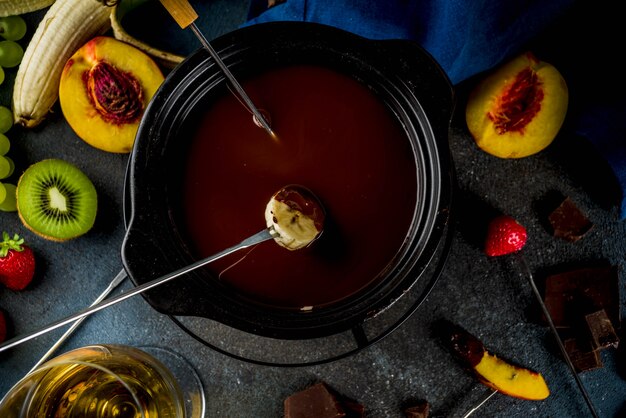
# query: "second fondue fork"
[185,15]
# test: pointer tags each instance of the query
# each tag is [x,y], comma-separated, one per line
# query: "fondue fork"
[291,225]
[114,283]
[544,309]
[185,15]
[261,236]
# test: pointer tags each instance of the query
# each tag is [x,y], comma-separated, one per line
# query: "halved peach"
[518,109]
[104,90]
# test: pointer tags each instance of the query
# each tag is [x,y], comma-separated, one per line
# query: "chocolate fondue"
[336,137]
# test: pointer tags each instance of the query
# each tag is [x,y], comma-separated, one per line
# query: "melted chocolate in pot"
[335,138]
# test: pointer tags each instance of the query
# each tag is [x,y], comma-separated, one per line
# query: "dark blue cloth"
[468,37]
[464,36]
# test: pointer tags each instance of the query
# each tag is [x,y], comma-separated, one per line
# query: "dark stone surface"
[490,297]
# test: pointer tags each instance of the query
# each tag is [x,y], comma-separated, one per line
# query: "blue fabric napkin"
[464,36]
[468,37]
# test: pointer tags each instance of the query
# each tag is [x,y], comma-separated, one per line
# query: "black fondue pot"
[404,78]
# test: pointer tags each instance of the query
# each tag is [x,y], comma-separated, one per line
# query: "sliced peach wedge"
[511,380]
[498,374]
[104,90]
[519,108]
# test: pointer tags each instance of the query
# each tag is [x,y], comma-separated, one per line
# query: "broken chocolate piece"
[353,409]
[571,295]
[421,410]
[319,401]
[603,334]
[568,221]
[315,401]
[583,360]
[585,304]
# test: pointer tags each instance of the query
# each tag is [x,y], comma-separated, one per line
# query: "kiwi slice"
[56,200]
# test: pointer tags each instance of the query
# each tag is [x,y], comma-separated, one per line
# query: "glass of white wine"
[106,381]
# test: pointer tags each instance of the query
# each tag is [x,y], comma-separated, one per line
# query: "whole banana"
[66,26]
[18,7]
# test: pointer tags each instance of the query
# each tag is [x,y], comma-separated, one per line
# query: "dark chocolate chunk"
[568,222]
[421,410]
[571,295]
[353,409]
[583,360]
[603,334]
[319,401]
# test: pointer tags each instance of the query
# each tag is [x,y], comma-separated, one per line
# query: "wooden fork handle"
[181,10]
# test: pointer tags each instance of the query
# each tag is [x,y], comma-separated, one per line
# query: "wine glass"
[108,380]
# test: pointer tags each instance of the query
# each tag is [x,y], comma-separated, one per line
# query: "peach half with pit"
[104,90]
[518,109]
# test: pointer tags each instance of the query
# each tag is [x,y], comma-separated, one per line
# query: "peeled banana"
[66,26]
[18,7]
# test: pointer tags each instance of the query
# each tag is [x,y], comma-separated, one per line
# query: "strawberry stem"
[8,243]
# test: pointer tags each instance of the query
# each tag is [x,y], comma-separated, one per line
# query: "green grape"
[6,119]
[5,167]
[11,54]
[5,144]
[3,193]
[11,166]
[9,204]
[1,75]
[12,28]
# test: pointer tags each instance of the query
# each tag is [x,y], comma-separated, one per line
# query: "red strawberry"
[3,326]
[17,262]
[504,236]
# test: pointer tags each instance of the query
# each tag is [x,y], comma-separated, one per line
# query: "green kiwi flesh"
[56,200]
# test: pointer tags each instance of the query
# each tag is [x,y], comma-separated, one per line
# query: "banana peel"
[164,58]
[18,7]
